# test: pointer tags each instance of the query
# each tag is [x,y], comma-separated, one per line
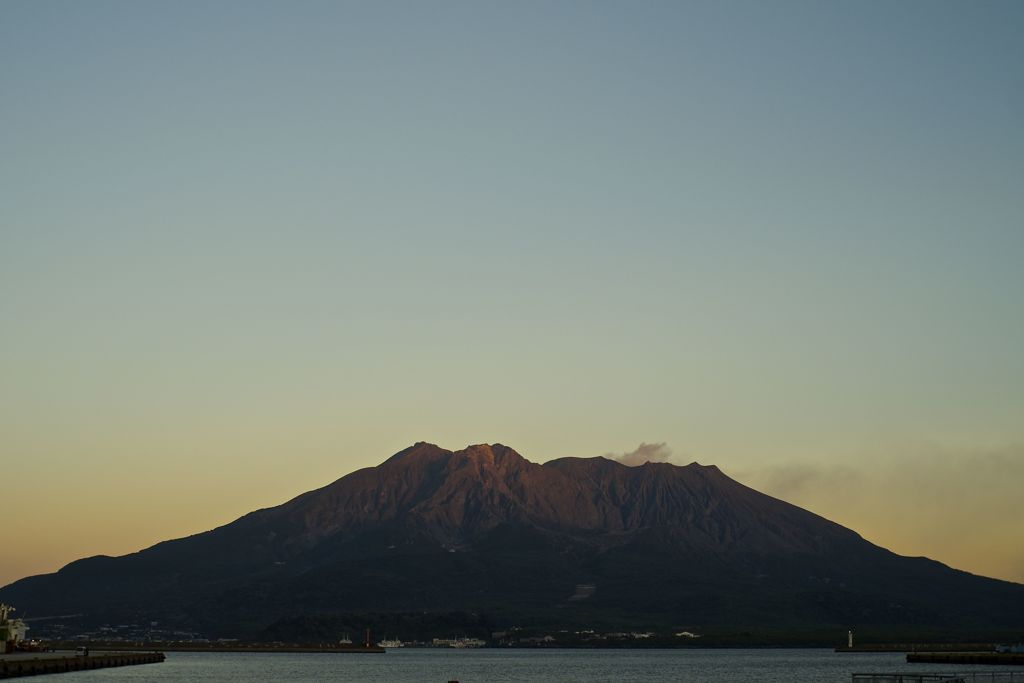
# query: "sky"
[249,247]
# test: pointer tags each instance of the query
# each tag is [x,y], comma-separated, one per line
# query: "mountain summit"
[573,541]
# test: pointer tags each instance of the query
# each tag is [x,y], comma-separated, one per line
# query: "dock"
[1012,658]
[962,677]
[33,664]
[917,647]
[263,648]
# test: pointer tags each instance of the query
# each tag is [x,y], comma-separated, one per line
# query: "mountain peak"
[434,529]
[421,450]
[491,452]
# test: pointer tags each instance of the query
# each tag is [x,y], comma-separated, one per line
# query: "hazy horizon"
[247,248]
[814,487]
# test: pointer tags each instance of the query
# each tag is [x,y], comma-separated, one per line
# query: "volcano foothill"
[481,538]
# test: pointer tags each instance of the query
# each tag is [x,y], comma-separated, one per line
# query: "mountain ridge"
[485,530]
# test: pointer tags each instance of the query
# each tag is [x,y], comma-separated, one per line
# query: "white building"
[11,630]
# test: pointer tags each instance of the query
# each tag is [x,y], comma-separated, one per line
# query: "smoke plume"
[645,452]
[916,500]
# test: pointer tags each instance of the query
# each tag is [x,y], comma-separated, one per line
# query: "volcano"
[488,535]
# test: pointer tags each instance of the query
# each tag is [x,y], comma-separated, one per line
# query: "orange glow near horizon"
[116,515]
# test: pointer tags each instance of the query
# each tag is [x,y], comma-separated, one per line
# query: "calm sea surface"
[508,666]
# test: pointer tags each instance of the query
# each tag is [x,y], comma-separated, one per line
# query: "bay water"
[520,665]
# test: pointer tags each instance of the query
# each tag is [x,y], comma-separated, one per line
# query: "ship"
[12,631]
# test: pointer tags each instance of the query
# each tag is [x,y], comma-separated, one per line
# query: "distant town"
[152,634]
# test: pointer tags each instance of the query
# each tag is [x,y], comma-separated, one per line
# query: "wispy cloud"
[961,507]
[645,452]
[794,481]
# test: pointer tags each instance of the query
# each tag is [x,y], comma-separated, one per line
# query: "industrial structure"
[11,630]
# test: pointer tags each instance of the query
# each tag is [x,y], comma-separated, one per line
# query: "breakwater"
[918,647]
[1014,658]
[14,666]
[262,648]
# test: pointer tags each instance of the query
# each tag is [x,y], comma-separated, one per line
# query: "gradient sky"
[249,247]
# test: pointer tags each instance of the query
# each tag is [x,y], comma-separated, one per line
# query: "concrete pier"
[962,677]
[33,664]
[918,647]
[238,647]
[966,657]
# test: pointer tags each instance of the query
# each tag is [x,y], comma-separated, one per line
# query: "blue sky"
[289,239]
